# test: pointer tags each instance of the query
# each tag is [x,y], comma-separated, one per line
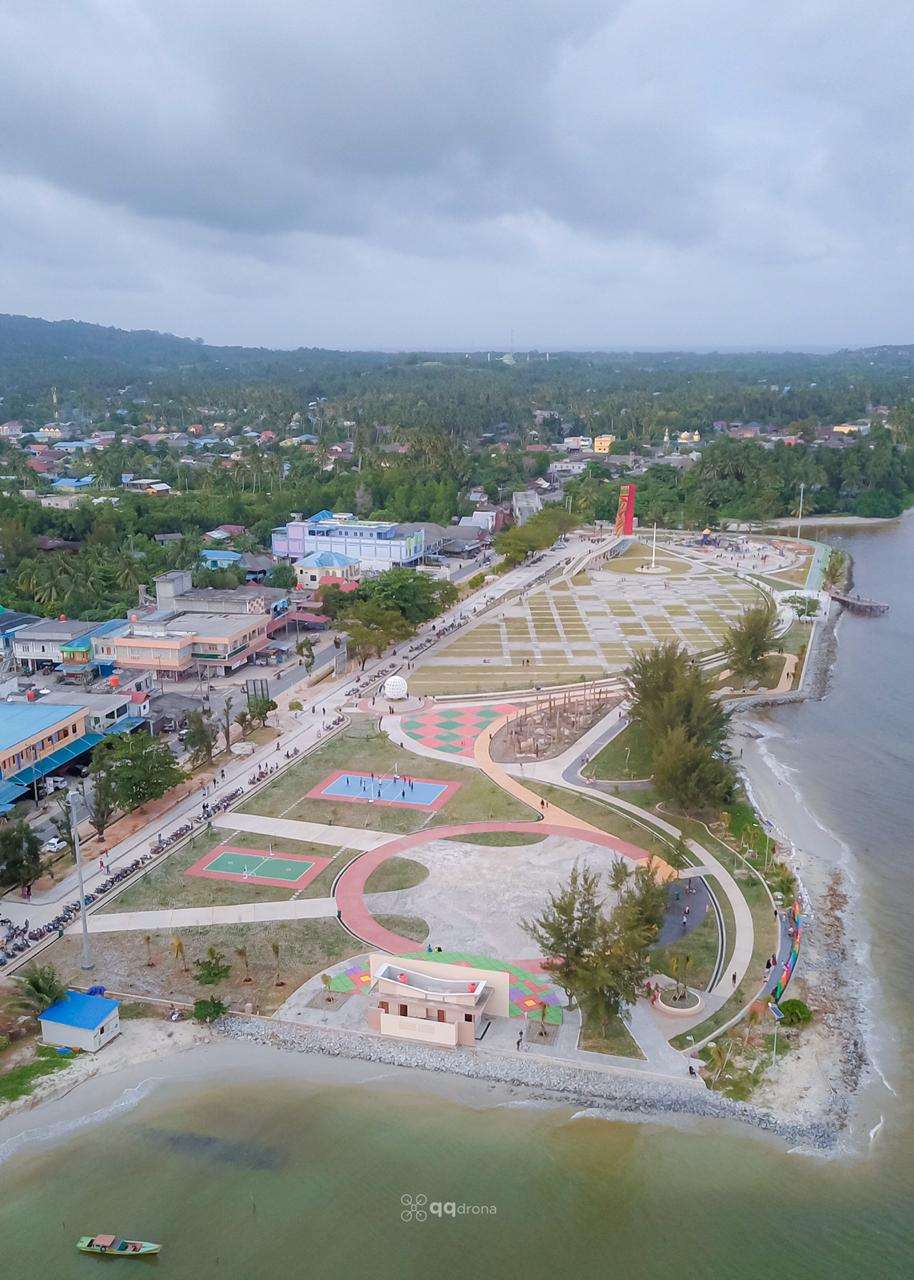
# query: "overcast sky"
[449,173]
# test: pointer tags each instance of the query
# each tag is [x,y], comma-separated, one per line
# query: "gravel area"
[549,1081]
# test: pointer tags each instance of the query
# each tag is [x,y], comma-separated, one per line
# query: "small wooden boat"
[115,1247]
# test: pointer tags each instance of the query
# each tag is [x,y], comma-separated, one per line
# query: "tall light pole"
[800,511]
[73,798]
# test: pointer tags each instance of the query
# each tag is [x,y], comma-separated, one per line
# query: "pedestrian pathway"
[192,917]
[305,832]
[744,939]
[350,887]
[552,812]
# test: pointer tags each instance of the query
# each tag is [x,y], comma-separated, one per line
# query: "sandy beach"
[825,1074]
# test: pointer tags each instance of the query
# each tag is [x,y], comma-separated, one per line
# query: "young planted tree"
[750,639]
[150,963]
[177,950]
[274,947]
[241,953]
[325,983]
[212,968]
[718,1058]
[567,929]
[226,721]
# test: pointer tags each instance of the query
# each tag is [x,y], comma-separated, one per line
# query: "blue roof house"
[214,558]
[80,1022]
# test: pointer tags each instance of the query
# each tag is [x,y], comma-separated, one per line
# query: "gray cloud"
[420,173]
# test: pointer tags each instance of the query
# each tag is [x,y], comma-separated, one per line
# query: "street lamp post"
[86,962]
[800,509]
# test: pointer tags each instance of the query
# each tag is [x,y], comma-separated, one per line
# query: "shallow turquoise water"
[249,1181]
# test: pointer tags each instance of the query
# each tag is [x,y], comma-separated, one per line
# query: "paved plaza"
[590,626]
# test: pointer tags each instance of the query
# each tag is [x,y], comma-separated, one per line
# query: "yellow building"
[603,444]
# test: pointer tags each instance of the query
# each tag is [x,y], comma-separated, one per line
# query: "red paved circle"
[350,888]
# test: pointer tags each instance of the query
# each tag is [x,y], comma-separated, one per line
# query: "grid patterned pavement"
[592,627]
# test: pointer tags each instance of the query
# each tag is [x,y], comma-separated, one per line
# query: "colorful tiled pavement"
[453,729]
[527,991]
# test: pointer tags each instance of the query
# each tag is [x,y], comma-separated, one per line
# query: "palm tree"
[128,574]
[150,963]
[37,988]
[719,1055]
[274,947]
[242,954]
[177,949]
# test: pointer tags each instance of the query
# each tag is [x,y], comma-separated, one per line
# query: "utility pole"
[800,512]
[654,551]
[86,962]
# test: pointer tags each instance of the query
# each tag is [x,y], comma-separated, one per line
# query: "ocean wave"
[129,1099]
[871,1023]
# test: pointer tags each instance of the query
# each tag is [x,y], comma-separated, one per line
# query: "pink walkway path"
[350,888]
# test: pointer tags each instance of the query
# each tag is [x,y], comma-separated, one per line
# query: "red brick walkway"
[350,889]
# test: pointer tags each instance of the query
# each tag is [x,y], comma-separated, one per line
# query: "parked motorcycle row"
[20,937]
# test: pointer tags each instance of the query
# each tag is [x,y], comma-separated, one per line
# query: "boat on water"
[114,1247]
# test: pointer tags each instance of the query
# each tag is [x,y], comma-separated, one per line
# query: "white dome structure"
[395,688]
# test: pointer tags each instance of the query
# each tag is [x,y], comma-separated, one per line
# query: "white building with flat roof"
[376,544]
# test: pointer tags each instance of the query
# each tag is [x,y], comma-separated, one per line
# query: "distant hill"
[35,353]
[91,363]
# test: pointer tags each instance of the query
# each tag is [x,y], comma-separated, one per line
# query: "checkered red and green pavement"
[453,729]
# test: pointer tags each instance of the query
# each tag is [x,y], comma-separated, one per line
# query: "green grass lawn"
[406,926]
[616,1039]
[764,929]
[626,756]
[476,799]
[701,947]
[603,816]
[167,885]
[18,1081]
[396,873]
[499,839]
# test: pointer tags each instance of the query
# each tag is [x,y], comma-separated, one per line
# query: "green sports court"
[258,867]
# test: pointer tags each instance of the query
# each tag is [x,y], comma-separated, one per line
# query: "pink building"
[443,1004]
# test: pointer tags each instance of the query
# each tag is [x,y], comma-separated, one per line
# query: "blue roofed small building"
[219,558]
[310,570]
[81,1022]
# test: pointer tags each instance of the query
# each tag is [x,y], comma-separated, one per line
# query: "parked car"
[54,845]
